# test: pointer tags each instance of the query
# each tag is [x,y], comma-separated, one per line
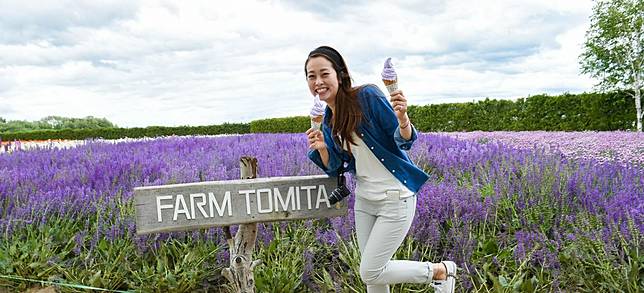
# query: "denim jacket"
[381,133]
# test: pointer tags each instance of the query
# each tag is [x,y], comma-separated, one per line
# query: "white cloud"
[140,63]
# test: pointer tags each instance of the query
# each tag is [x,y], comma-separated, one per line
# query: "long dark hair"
[348,113]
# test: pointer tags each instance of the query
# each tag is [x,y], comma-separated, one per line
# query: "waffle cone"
[316,122]
[392,85]
[317,119]
[389,82]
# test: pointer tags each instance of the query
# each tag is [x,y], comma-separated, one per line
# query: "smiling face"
[322,79]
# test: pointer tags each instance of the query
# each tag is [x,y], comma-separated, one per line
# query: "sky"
[172,63]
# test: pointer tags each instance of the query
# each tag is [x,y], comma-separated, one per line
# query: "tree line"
[54,123]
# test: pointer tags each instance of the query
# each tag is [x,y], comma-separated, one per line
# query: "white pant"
[381,227]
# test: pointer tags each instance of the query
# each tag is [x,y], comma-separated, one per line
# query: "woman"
[364,134]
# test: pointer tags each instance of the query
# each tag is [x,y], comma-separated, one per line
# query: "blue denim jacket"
[381,133]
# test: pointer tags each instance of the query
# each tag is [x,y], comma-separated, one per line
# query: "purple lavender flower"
[328,237]
[223,258]
[79,240]
[308,267]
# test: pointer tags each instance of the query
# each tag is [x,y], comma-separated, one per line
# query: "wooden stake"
[240,272]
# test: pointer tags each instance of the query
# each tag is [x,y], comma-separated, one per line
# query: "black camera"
[340,192]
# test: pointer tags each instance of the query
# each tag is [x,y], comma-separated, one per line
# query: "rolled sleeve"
[402,143]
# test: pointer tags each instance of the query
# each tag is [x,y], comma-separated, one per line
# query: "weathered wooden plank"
[240,273]
[180,207]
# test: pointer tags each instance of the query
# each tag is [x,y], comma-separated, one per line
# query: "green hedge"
[567,112]
[278,125]
[116,133]
[588,111]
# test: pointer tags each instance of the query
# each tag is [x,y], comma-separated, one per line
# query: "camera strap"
[341,168]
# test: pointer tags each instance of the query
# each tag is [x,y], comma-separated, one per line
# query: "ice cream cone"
[389,76]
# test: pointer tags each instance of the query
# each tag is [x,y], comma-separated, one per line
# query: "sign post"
[181,207]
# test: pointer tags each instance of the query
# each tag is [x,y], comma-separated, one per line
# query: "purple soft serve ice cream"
[388,72]
[318,107]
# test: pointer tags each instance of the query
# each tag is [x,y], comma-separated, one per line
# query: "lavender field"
[607,146]
[526,212]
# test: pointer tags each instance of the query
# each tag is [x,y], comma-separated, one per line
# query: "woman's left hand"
[399,103]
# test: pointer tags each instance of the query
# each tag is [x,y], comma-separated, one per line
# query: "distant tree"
[56,122]
[2,120]
[16,126]
[89,122]
[50,122]
[613,51]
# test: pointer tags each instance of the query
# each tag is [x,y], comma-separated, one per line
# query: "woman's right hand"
[316,139]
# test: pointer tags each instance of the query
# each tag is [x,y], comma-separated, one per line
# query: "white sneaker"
[448,285]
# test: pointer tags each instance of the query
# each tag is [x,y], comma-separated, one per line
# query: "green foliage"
[505,275]
[348,277]
[593,266]
[55,123]
[16,126]
[179,265]
[567,112]
[33,254]
[614,50]
[47,252]
[183,263]
[283,259]
[277,125]
[116,133]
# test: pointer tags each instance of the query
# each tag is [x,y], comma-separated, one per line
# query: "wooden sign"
[180,207]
